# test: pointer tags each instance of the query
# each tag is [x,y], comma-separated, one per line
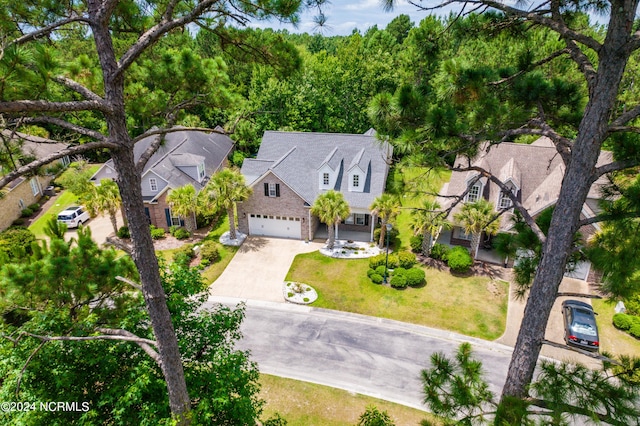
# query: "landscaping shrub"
[156,233]
[398,281]
[18,222]
[376,261]
[392,235]
[439,251]
[415,277]
[187,250]
[123,232]
[406,259]
[181,233]
[635,330]
[393,261]
[172,229]
[376,278]
[459,259]
[399,271]
[370,272]
[209,250]
[374,417]
[380,270]
[623,321]
[34,207]
[633,305]
[26,212]
[416,243]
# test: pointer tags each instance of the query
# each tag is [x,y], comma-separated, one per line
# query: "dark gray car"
[580,327]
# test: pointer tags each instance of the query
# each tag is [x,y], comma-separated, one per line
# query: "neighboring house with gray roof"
[293,168]
[186,157]
[26,190]
[534,173]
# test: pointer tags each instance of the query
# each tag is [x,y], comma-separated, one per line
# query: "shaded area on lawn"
[475,306]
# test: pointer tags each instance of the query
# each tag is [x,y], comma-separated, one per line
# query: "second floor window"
[504,201]
[200,172]
[153,184]
[356,181]
[325,179]
[474,193]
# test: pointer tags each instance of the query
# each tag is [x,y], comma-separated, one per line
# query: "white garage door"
[274,226]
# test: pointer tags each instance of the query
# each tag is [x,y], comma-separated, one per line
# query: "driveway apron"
[258,269]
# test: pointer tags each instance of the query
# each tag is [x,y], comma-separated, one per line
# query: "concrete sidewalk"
[258,269]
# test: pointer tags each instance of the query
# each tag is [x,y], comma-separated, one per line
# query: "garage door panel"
[274,226]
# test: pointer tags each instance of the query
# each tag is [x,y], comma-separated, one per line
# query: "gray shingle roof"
[295,158]
[537,169]
[184,148]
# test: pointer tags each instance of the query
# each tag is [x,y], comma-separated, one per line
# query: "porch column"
[373,225]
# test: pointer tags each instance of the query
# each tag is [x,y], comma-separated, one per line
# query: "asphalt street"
[366,355]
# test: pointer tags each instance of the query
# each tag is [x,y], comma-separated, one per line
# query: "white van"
[73,216]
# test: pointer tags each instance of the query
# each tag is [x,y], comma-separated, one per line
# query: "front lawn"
[64,200]
[303,404]
[474,306]
[611,339]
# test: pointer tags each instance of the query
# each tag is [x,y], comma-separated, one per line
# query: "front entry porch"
[322,234]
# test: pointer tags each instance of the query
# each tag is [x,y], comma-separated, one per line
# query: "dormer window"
[474,193]
[504,202]
[356,181]
[325,179]
[153,184]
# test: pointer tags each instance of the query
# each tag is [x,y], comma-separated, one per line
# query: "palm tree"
[476,218]
[386,207]
[183,203]
[331,208]
[428,221]
[105,198]
[225,189]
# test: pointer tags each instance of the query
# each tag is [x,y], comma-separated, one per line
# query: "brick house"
[293,168]
[186,157]
[533,172]
[27,190]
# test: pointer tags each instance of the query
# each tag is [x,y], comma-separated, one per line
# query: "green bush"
[204,263]
[399,271]
[635,330]
[181,233]
[34,207]
[406,259]
[370,272]
[376,261]
[123,232]
[380,270]
[186,250]
[374,417]
[275,420]
[209,250]
[623,321]
[416,243]
[633,305]
[439,251]
[156,233]
[392,235]
[376,278]
[415,277]
[459,259]
[26,212]
[398,281]
[18,222]
[172,229]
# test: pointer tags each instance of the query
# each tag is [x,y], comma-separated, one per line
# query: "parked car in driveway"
[73,216]
[580,327]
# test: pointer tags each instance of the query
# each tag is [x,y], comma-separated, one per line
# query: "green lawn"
[226,252]
[304,404]
[611,339]
[474,306]
[413,185]
[64,200]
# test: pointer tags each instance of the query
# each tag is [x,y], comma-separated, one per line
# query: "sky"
[343,16]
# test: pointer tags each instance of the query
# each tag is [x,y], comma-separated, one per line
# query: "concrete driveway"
[100,226]
[555,325]
[258,269]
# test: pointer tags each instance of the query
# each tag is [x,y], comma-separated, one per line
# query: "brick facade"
[10,203]
[288,204]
